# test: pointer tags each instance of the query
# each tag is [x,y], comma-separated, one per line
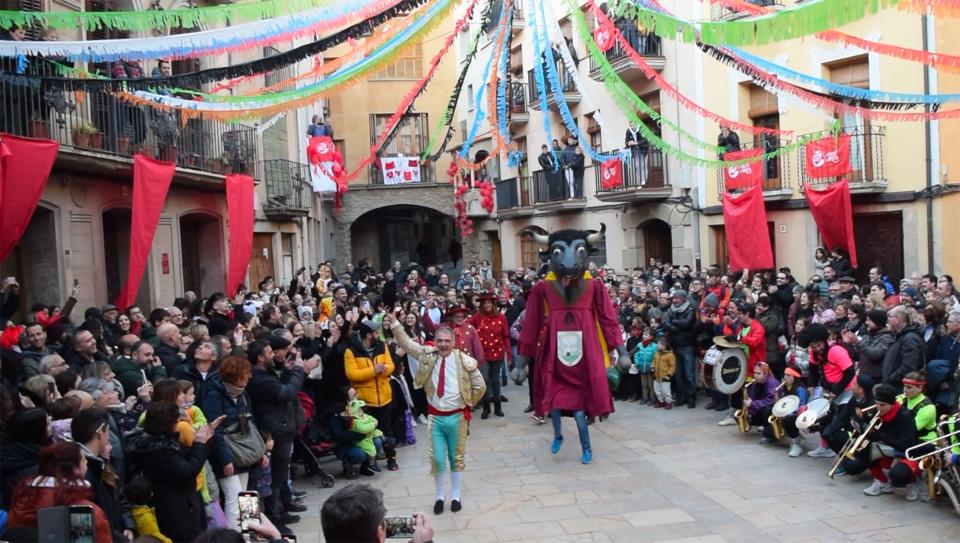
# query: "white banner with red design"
[400,169]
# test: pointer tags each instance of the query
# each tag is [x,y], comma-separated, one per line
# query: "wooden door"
[657,241]
[261,260]
[879,239]
[496,261]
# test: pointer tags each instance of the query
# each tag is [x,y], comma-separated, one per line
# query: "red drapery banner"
[603,35]
[745,222]
[833,213]
[828,157]
[743,176]
[23,174]
[240,211]
[611,174]
[151,181]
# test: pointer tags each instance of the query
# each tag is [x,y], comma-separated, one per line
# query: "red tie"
[443,377]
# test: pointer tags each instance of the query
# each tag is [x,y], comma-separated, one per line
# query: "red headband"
[914,382]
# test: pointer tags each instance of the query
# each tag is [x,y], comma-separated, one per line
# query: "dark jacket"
[899,433]
[30,362]
[772,330]
[128,373]
[907,354]
[168,357]
[188,371]
[219,325]
[76,361]
[274,400]
[679,322]
[546,162]
[215,404]
[110,497]
[17,460]
[172,470]
[871,350]
[730,143]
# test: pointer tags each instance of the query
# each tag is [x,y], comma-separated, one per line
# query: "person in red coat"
[754,343]
[569,328]
[494,333]
[467,338]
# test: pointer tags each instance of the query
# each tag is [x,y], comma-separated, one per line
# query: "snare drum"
[726,370]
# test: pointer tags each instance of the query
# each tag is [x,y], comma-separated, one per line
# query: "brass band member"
[898,432]
[831,369]
[791,386]
[760,395]
[852,416]
[923,410]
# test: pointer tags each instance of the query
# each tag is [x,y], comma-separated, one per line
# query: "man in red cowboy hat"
[494,334]
[467,339]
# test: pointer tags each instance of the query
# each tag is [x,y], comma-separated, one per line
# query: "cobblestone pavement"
[657,476]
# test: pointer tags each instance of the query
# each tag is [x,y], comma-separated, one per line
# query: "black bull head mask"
[568,252]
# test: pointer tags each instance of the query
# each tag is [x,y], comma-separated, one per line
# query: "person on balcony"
[318,127]
[728,140]
[578,169]
[638,146]
[549,166]
[568,161]
[128,115]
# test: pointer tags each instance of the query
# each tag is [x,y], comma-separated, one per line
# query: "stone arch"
[654,240]
[401,232]
[201,251]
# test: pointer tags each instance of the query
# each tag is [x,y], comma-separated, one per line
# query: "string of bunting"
[394,121]
[209,16]
[541,84]
[940,8]
[942,62]
[795,22]
[233,108]
[204,43]
[503,114]
[89,81]
[447,118]
[493,90]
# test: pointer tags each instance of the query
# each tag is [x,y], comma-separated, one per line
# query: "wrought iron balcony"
[777,170]
[97,123]
[519,113]
[567,87]
[646,44]
[644,179]
[288,189]
[866,159]
[515,196]
[551,191]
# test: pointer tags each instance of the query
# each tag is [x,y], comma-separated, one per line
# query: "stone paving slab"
[657,476]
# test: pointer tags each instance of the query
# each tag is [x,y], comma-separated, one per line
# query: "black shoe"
[299,494]
[295,507]
[529,408]
[497,410]
[503,399]
[486,412]
[438,507]
[455,506]
[375,467]
[367,471]
[392,464]
[692,403]
[287,518]
[712,405]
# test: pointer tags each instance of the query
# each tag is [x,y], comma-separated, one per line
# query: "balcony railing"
[719,12]
[567,85]
[777,171]
[514,193]
[426,172]
[287,185]
[518,21]
[647,44]
[549,187]
[643,170]
[518,98]
[866,156]
[96,121]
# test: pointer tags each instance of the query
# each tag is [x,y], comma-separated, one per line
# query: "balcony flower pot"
[168,153]
[38,128]
[96,140]
[81,139]
[123,145]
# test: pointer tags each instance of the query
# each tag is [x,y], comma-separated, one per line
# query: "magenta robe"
[583,386]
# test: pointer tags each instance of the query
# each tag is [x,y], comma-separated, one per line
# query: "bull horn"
[594,238]
[539,238]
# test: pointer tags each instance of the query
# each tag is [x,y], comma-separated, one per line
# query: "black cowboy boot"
[486,410]
[497,410]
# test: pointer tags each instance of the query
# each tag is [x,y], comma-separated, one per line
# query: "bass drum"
[726,371]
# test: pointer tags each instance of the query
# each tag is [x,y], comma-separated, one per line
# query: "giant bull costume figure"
[569,330]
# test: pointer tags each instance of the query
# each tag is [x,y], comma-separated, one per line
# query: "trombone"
[856,443]
[942,437]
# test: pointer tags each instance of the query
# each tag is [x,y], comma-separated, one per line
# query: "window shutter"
[762,103]
[852,74]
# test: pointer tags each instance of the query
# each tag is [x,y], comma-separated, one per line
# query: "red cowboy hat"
[487,295]
[459,308]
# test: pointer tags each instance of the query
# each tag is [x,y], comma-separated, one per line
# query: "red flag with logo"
[745,223]
[611,174]
[746,175]
[832,210]
[320,149]
[603,35]
[828,157]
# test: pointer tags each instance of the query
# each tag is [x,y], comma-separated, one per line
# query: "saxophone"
[742,416]
[776,423]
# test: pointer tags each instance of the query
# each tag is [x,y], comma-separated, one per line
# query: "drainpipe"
[926,20]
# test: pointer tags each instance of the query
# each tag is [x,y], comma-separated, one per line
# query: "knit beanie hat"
[878,316]
[885,393]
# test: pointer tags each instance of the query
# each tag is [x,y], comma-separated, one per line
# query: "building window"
[765,112]
[408,66]
[286,249]
[855,72]
[530,249]
[408,139]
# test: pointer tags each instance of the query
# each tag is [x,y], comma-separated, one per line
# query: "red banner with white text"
[611,174]
[745,224]
[828,157]
[743,176]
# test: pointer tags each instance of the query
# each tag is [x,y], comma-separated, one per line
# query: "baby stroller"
[313,443]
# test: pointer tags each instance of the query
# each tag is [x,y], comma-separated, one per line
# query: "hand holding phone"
[400,527]
[249,505]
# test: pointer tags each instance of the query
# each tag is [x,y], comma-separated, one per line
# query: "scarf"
[232,390]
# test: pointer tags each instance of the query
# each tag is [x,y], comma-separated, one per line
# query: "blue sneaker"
[555,446]
[840,472]
[587,457]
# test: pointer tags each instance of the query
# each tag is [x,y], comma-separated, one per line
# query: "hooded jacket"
[908,353]
[871,351]
[678,321]
[359,366]
[17,460]
[274,399]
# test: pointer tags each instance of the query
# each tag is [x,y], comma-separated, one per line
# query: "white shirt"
[451,400]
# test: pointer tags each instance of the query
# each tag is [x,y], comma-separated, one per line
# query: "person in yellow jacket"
[140,495]
[368,366]
[664,366]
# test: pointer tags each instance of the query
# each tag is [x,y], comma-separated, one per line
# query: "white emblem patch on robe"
[570,347]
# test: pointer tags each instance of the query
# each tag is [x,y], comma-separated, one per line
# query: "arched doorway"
[403,233]
[201,253]
[116,255]
[33,261]
[656,239]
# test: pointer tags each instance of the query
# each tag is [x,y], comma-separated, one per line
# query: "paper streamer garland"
[411,96]
[211,16]
[541,85]
[478,98]
[795,22]
[207,42]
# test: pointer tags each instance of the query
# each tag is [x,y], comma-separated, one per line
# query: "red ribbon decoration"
[151,182]
[745,222]
[611,174]
[240,212]
[828,157]
[832,210]
[743,176]
[23,173]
